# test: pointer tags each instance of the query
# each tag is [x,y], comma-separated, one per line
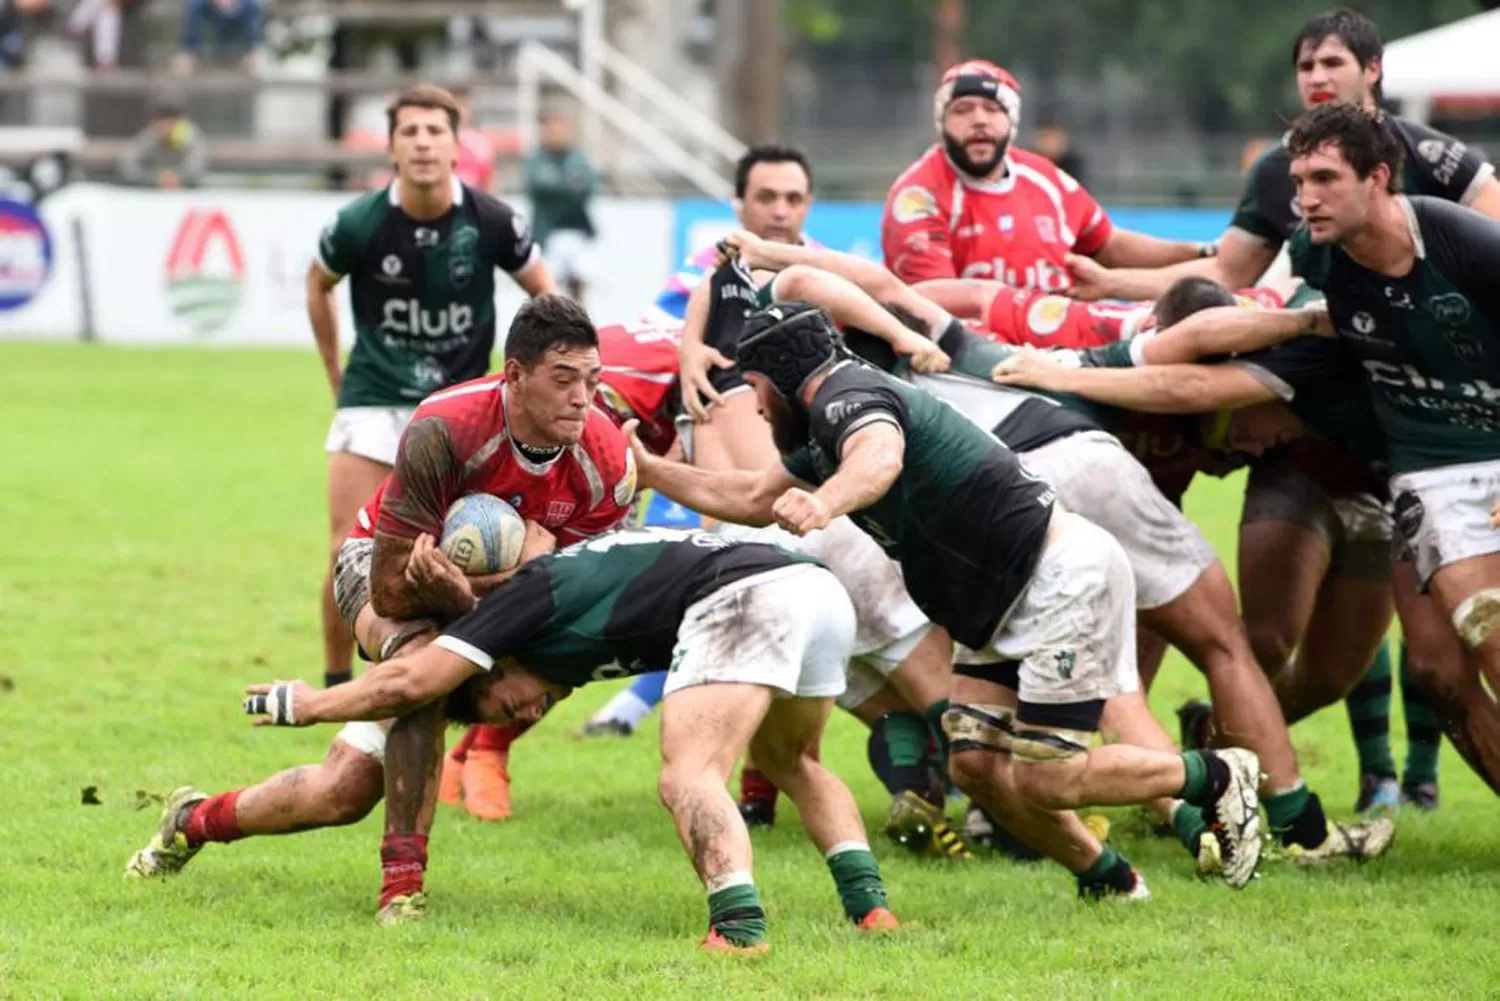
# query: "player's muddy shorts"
[1096,477]
[888,624]
[370,432]
[1444,514]
[1356,528]
[351,577]
[1067,646]
[790,629]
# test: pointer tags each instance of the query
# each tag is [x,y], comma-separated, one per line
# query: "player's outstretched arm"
[966,298]
[1240,262]
[394,688]
[850,306]
[1128,249]
[1159,389]
[1231,330]
[695,358]
[741,496]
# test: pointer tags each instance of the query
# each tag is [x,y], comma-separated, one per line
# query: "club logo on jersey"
[391,266]
[1065,660]
[205,270]
[558,512]
[428,374]
[1450,308]
[912,204]
[1046,229]
[1364,323]
[426,237]
[1047,315]
[25,254]
[462,247]
[1007,225]
[406,316]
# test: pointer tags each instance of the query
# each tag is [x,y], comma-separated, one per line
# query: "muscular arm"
[1159,389]
[966,298]
[1126,248]
[322,315]
[870,461]
[1241,260]
[1487,200]
[850,306]
[394,688]
[1232,330]
[740,496]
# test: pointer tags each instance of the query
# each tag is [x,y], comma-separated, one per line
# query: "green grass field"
[162,547]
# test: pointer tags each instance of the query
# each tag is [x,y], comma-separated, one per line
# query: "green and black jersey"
[1436,164]
[964,518]
[1428,342]
[423,292]
[608,607]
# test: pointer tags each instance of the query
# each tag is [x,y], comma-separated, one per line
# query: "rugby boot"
[1379,796]
[880,919]
[403,910]
[1422,795]
[714,942]
[1360,841]
[486,783]
[168,851]
[1234,818]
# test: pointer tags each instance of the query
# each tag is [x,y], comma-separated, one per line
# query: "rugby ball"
[483,534]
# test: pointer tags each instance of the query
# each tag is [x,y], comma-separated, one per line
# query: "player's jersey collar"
[457,186]
[1419,246]
[522,460]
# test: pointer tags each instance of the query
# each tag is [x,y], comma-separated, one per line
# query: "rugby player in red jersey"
[531,437]
[975,207]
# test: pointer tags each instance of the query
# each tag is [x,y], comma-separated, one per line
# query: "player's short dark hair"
[423,95]
[547,322]
[1366,139]
[462,705]
[768,153]
[1360,35]
[1187,296]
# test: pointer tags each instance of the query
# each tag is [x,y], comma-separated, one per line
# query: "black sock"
[1309,828]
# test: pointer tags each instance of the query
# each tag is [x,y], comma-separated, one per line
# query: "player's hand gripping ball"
[483,535]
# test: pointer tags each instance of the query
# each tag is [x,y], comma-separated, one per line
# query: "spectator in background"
[1052,142]
[476,153]
[168,153]
[560,182]
[104,22]
[220,32]
[13,23]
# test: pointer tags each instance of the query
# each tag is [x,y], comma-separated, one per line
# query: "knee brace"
[1478,616]
[979,728]
[1046,733]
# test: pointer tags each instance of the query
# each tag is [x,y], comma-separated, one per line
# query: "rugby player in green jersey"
[1042,600]
[1337,58]
[754,639]
[1295,390]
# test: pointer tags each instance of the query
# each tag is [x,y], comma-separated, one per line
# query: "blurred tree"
[1219,66]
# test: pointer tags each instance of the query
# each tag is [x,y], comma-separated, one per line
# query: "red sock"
[461,749]
[488,737]
[403,862]
[214,820]
[755,787]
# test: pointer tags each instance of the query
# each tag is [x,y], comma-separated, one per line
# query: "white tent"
[1455,60]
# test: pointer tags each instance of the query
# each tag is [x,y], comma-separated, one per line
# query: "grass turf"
[163,547]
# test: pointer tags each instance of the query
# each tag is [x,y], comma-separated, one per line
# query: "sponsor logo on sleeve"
[838,410]
[1046,315]
[913,203]
[625,488]
[1432,150]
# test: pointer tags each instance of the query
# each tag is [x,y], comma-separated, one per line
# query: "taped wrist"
[277,704]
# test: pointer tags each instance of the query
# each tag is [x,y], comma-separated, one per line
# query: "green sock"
[934,716]
[1369,706]
[1196,782]
[1110,872]
[905,739]
[857,877]
[735,913]
[1424,738]
[1187,821]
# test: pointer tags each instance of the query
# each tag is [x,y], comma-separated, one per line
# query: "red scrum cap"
[978,78]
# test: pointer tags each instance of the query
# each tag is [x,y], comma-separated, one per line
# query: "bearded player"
[975,207]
